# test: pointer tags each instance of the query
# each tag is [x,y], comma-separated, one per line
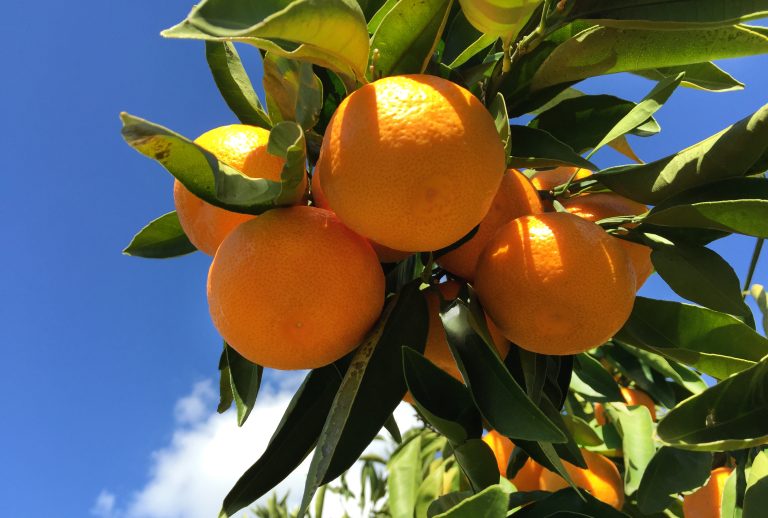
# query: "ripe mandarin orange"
[412,162]
[243,148]
[294,288]
[597,206]
[601,479]
[555,283]
[385,254]
[631,397]
[705,502]
[516,197]
[551,178]
[527,478]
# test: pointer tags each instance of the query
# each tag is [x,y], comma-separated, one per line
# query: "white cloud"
[189,477]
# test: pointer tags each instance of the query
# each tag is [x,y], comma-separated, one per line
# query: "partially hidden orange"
[243,148]
[601,478]
[706,501]
[281,288]
[411,162]
[632,397]
[527,477]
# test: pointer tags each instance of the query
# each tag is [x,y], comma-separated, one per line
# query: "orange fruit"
[597,206]
[294,288]
[412,162]
[385,255]
[555,283]
[551,178]
[705,502]
[632,397]
[243,148]
[601,479]
[527,477]
[516,197]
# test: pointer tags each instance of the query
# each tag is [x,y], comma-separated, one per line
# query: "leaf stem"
[753,265]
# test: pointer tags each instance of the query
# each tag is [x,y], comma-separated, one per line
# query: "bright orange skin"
[705,502]
[632,397]
[549,179]
[601,478]
[516,197]
[281,288]
[412,162]
[385,255]
[555,283]
[597,206]
[243,148]
[527,477]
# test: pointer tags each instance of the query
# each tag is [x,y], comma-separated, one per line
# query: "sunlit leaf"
[756,497]
[702,76]
[161,238]
[635,427]
[492,501]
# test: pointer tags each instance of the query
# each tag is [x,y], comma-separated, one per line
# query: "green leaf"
[161,238]
[583,434]
[734,205]
[463,41]
[497,395]
[478,463]
[702,76]
[601,50]
[635,427]
[671,471]
[407,36]
[378,17]
[591,379]
[213,181]
[289,29]
[712,342]
[391,426]
[498,109]
[644,110]
[491,503]
[294,92]
[727,154]
[668,14]
[581,122]
[730,415]
[761,297]
[443,401]
[376,374]
[226,397]
[700,275]
[534,148]
[683,376]
[571,502]
[429,490]
[234,84]
[756,497]
[244,381]
[731,503]
[405,469]
[294,438]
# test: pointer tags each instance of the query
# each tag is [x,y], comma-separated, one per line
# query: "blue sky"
[105,358]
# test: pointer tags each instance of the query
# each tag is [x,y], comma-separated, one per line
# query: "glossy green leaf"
[161,238]
[756,497]
[294,438]
[761,297]
[636,369]
[734,205]
[213,181]
[498,109]
[675,13]
[244,380]
[534,148]
[727,154]
[381,12]
[404,469]
[591,379]
[581,122]
[568,501]
[289,29]
[601,50]
[714,343]
[635,427]
[700,275]
[478,463]
[497,395]
[491,502]
[731,505]
[429,490]
[443,401]
[683,376]
[671,471]
[643,111]
[407,36]
[234,84]
[375,374]
[226,397]
[294,92]
[730,415]
[703,76]
[391,426]
[583,434]
[463,41]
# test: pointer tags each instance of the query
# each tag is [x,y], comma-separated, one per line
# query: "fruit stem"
[753,265]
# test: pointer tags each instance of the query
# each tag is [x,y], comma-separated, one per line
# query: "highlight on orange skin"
[601,478]
[632,397]
[706,501]
[527,477]
[551,178]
